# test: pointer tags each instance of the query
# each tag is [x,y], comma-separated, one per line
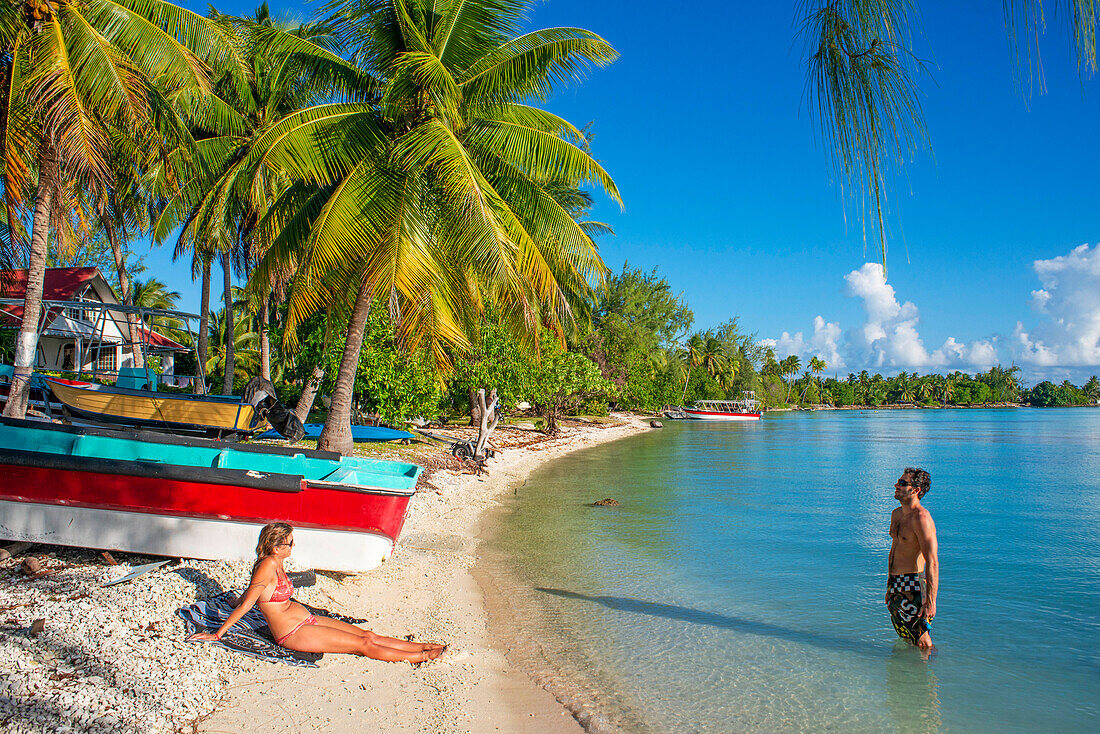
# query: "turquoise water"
[739,586]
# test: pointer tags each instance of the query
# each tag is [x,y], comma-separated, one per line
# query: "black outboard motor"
[260,394]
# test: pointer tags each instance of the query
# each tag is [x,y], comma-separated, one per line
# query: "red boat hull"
[316,506]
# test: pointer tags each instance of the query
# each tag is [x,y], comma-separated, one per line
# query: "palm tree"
[73,73]
[907,390]
[727,375]
[947,388]
[691,356]
[1091,389]
[244,347]
[430,195]
[151,293]
[714,357]
[789,366]
[222,201]
[817,366]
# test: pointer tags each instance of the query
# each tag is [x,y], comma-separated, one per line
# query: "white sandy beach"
[113,658]
[425,589]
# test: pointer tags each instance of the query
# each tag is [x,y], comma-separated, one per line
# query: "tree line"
[386,182]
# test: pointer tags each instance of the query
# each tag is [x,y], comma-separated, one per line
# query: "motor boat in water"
[746,409]
[145,492]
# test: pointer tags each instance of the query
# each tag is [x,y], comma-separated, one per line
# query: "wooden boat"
[359,434]
[204,415]
[746,409]
[151,493]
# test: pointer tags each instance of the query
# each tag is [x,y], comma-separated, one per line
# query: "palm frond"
[541,154]
[534,64]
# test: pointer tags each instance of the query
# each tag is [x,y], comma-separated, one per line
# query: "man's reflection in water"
[912,691]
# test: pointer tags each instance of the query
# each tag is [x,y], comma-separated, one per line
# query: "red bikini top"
[282,591]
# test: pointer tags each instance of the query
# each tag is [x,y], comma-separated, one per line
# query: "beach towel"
[250,635]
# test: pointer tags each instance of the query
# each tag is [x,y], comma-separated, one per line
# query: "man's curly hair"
[921,479]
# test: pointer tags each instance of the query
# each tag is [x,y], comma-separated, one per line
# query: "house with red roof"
[78,339]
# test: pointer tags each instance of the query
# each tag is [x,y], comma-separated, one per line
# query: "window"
[105,359]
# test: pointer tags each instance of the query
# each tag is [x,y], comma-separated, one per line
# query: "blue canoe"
[359,434]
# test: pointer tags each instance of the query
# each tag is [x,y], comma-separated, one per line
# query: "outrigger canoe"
[152,493]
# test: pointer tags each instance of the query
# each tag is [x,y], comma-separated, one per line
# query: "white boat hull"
[184,537]
[701,415]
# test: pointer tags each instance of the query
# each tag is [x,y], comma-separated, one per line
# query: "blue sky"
[728,192]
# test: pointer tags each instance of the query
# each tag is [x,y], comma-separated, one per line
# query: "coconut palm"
[244,347]
[727,375]
[430,196]
[1091,389]
[789,366]
[222,200]
[73,72]
[947,388]
[817,366]
[714,356]
[691,356]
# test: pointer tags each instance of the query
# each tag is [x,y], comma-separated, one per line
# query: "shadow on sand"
[713,619]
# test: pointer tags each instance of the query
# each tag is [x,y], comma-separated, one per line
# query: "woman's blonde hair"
[273,534]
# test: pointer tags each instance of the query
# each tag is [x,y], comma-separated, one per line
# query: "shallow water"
[739,586]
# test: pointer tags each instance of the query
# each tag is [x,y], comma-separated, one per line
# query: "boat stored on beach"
[746,409]
[203,415]
[151,493]
[359,434]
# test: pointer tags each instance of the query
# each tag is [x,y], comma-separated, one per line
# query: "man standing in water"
[914,561]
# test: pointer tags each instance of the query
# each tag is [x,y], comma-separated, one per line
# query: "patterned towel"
[250,634]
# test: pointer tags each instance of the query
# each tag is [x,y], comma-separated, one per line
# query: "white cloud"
[889,337]
[1069,301]
[1066,336]
[824,343]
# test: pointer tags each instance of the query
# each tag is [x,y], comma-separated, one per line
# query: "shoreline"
[113,659]
[427,588]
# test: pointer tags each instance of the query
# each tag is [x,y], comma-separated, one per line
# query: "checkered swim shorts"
[905,599]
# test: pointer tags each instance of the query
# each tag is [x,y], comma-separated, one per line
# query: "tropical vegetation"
[411,223]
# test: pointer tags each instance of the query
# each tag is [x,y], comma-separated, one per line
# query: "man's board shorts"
[905,599]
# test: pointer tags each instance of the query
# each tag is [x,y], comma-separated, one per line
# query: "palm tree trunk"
[26,345]
[203,347]
[309,394]
[265,343]
[336,435]
[136,356]
[230,367]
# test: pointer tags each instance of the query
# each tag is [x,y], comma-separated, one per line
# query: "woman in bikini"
[293,626]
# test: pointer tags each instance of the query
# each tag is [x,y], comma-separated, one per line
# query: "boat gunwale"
[132,392]
[166,438]
[70,400]
[197,430]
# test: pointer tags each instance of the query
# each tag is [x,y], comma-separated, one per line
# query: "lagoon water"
[739,586]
